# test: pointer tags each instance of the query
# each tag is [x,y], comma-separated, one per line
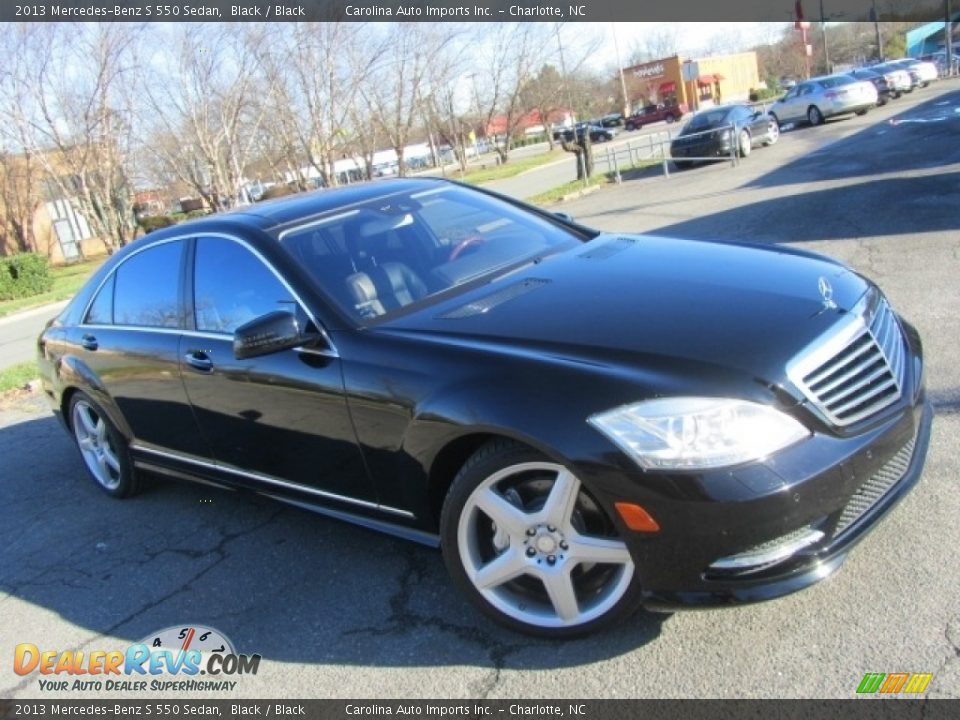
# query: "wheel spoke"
[103,471]
[101,431]
[501,569]
[111,460]
[562,596]
[587,549]
[506,516]
[86,419]
[562,499]
[85,443]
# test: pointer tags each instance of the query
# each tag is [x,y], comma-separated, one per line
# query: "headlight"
[691,433]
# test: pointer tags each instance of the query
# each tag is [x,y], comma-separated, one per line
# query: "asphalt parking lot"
[337,611]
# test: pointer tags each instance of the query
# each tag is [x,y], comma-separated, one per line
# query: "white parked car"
[816,99]
[926,71]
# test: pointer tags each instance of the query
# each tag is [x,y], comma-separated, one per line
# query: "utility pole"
[876,27]
[823,29]
[623,82]
[948,36]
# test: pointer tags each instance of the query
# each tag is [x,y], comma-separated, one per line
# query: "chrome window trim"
[332,352]
[269,479]
[113,271]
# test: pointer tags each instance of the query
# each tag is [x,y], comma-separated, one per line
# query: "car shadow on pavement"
[285,583]
[896,145]
[889,206]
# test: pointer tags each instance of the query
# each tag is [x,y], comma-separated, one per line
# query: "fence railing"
[652,148]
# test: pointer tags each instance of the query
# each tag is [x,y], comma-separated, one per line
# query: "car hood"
[634,300]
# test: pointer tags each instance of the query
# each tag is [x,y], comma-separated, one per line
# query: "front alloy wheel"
[527,543]
[745,143]
[773,133]
[102,447]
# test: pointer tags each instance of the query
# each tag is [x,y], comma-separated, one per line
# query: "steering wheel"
[464,244]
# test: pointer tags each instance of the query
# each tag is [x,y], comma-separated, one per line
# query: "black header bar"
[465,11]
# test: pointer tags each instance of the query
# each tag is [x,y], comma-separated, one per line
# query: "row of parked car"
[737,129]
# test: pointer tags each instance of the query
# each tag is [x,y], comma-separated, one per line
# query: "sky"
[692,37]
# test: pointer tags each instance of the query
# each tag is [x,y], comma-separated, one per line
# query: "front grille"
[879,484]
[856,371]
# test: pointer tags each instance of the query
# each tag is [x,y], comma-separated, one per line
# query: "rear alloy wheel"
[744,143]
[103,449]
[773,133]
[532,548]
[814,116]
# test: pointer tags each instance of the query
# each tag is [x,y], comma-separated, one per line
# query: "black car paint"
[719,138]
[401,403]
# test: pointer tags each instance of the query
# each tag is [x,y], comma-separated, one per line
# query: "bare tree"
[313,72]
[205,117]
[508,61]
[656,43]
[394,95]
[72,113]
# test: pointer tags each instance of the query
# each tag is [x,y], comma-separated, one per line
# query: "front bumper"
[767,529]
[817,561]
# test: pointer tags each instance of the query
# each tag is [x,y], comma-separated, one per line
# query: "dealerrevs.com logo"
[184,652]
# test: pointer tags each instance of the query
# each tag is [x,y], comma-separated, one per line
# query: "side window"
[233,286]
[147,287]
[101,309]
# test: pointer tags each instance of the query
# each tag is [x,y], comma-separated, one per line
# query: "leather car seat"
[376,287]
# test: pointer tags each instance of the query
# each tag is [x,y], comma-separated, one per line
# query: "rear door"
[129,342]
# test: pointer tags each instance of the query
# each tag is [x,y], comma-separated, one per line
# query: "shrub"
[155,222]
[24,275]
[278,191]
[758,95]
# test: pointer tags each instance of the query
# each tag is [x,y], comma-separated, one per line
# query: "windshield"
[837,81]
[707,119]
[400,249]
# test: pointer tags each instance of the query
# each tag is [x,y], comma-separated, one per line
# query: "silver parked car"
[816,99]
[898,76]
[926,71]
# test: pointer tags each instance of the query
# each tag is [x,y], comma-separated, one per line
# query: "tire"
[862,112]
[773,133]
[776,122]
[814,116]
[671,119]
[102,447]
[522,538]
[744,143]
[630,127]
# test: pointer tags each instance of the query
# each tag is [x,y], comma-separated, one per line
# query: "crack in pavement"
[403,619]
[220,554]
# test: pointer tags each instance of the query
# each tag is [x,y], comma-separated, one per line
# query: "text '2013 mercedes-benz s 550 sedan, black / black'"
[583,422]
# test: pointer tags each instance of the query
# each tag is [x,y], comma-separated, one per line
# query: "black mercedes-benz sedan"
[721,131]
[583,422]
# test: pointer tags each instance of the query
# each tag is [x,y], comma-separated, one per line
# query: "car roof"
[300,206]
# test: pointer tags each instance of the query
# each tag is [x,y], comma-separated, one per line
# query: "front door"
[278,422]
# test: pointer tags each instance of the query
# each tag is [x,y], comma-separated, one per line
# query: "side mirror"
[270,333]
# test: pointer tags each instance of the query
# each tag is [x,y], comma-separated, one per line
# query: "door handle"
[89,342]
[199,360]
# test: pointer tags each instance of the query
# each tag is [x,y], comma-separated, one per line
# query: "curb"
[49,309]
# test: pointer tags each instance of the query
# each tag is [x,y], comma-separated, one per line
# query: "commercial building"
[720,79]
